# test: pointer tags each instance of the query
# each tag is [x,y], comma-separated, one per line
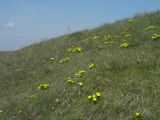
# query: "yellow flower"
[69,81]
[43,86]
[74,49]
[69,50]
[79,73]
[80,83]
[1,111]
[78,49]
[52,58]
[98,94]
[65,60]
[90,66]
[138,114]
[93,96]
[89,97]
[124,45]
[156,36]
[94,99]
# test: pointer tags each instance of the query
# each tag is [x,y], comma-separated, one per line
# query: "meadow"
[111,72]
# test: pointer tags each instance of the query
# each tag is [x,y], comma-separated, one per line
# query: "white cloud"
[10,25]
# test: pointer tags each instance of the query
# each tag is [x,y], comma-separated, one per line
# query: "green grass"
[127,78]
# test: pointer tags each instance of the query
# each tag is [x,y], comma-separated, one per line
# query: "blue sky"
[23,22]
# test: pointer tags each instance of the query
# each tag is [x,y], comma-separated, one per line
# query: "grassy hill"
[108,73]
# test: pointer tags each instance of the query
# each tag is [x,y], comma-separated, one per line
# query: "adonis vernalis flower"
[43,86]
[124,45]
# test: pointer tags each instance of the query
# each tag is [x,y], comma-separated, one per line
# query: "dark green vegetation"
[128,77]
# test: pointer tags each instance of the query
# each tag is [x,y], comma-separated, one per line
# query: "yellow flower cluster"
[124,45]
[94,97]
[90,66]
[80,73]
[108,37]
[65,60]
[150,28]
[156,36]
[69,81]
[74,49]
[43,86]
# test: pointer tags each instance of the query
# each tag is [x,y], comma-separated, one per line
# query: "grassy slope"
[126,84]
